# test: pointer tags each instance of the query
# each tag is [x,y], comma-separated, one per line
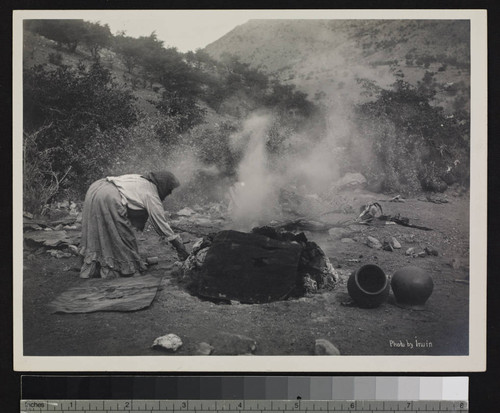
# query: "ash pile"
[262,266]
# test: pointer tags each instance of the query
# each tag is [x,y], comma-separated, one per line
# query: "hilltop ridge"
[328,58]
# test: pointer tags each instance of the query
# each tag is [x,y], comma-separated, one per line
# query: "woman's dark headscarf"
[165,181]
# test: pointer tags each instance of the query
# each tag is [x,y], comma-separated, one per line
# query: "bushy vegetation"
[71,33]
[417,147]
[80,112]
[80,123]
[89,125]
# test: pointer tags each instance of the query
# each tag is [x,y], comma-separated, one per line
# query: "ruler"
[244,406]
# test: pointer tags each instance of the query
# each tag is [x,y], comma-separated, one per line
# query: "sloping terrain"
[328,58]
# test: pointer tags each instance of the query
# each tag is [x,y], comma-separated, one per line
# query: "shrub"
[183,107]
[412,146]
[65,32]
[95,37]
[56,59]
[40,182]
[143,147]
[86,111]
[213,147]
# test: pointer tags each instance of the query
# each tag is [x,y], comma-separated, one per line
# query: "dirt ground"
[279,328]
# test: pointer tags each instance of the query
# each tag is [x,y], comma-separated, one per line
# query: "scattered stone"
[397,198]
[28,215]
[203,222]
[203,349]
[73,208]
[410,251]
[59,254]
[152,260]
[63,204]
[431,251]
[347,240]
[58,227]
[395,243]
[169,342]
[373,242]
[437,199]
[185,212]
[71,227]
[422,254]
[234,302]
[324,348]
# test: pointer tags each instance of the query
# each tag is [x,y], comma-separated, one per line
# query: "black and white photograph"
[250,190]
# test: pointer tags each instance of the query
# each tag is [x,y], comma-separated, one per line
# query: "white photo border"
[474,361]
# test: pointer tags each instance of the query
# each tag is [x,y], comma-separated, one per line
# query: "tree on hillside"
[183,107]
[287,99]
[96,37]
[82,110]
[130,50]
[415,146]
[65,32]
[152,57]
[201,60]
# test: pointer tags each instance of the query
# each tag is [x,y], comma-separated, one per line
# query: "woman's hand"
[180,248]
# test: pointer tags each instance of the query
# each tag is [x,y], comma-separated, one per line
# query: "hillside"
[108,105]
[302,102]
[328,58]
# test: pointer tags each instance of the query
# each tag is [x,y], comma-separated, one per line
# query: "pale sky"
[184,30]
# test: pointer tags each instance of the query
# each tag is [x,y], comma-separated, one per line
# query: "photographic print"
[250,190]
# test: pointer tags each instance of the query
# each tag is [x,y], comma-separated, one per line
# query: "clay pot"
[368,286]
[412,286]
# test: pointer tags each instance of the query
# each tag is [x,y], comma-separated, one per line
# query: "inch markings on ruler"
[244,406]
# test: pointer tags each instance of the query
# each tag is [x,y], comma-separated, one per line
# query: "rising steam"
[254,196]
[309,168]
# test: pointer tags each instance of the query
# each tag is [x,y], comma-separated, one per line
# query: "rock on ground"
[373,242]
[169,342]
[395,243]
[204,349]
[325,348]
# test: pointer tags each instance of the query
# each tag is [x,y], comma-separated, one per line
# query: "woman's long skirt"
[108,245]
